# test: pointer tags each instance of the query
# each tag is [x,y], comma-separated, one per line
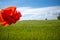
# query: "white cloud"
[29,13]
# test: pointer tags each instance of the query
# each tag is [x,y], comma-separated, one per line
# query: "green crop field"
[32,30]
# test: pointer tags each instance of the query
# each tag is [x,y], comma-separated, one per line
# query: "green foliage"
[32,30]
[58,17]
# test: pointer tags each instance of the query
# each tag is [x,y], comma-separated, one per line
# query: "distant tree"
[58,17]
[45,18]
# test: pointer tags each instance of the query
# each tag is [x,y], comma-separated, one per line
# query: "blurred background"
[35,9]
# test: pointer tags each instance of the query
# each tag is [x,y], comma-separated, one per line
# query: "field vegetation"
[31,30]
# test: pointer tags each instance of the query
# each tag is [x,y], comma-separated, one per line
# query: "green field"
[32,30]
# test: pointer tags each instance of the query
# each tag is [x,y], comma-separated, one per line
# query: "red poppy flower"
[9,15]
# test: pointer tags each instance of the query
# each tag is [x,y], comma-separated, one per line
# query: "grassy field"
[32,30]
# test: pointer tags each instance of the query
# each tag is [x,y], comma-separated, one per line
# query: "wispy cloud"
[29,13]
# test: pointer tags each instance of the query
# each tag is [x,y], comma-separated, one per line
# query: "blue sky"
[34,9]
[29,3]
